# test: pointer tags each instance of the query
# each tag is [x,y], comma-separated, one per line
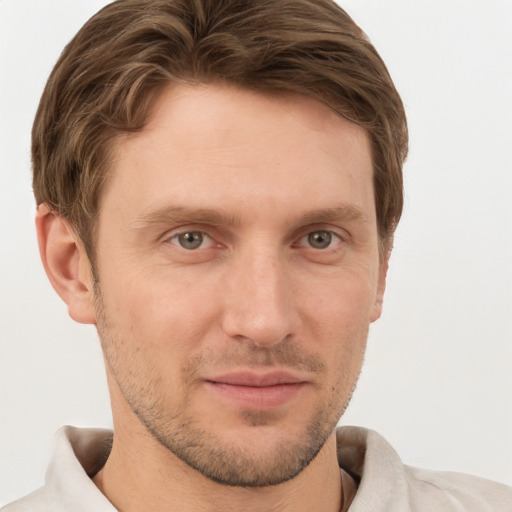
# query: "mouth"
[257,391]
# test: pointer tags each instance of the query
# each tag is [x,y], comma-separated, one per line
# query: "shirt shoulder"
[386,484]
[449,491]
[77,455]
[36,501]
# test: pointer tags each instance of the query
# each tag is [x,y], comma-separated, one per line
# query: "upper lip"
[252,379]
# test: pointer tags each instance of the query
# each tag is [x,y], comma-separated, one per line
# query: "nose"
[259,300]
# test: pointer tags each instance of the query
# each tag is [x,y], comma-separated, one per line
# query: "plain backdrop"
[437,381]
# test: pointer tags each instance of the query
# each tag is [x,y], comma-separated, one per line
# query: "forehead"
[213,145]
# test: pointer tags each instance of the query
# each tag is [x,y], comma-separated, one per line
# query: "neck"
[140,474]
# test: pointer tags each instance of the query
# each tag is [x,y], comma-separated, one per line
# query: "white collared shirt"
[385,483]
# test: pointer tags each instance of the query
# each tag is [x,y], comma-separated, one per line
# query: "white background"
[438,375]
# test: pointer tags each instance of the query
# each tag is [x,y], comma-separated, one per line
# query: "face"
[238,272]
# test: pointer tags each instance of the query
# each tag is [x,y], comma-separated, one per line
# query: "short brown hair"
[107,76]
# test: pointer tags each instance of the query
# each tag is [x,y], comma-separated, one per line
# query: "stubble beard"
[232,465]
[225,463]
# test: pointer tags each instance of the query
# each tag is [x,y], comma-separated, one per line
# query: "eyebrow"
[183,214]
[347,213]
[218,217]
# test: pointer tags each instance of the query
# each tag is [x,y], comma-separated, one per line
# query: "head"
[225,179]
[108,76]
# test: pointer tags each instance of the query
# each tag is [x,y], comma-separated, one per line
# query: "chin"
[259,452]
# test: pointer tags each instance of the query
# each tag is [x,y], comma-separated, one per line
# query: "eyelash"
[189,232]
[331,235]
[324,232]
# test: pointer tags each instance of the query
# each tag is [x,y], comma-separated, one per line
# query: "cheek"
[337,317]
[160,309]
[342,299]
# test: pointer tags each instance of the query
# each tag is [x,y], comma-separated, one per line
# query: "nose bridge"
[259,305]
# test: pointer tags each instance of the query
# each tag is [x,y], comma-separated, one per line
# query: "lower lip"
[253,397]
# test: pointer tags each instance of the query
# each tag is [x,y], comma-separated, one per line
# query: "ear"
[66,264]
[384,255]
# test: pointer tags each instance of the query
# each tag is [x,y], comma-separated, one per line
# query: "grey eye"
[320,239]
[191,240]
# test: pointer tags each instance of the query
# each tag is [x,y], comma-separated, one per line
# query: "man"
[218,184]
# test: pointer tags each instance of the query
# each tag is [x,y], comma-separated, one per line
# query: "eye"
[321,239]
[191,240]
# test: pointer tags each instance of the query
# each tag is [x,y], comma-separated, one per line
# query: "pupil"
[191,240]
[320,239]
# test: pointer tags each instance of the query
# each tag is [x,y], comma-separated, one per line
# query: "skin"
[282,277]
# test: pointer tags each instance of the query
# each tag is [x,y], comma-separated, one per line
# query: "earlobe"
[66,264]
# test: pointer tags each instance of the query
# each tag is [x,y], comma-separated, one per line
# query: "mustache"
[248,355]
